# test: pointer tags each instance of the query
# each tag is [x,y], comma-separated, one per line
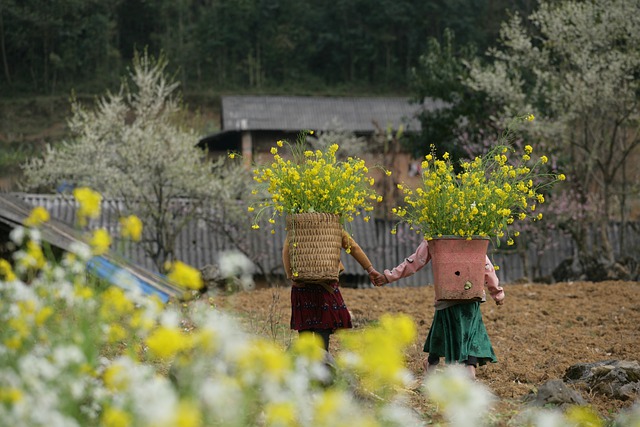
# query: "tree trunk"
[3,52]
[603,226]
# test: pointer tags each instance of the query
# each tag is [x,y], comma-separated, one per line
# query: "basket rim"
[454,237]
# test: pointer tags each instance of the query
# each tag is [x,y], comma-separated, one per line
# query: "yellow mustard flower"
[89,204]
[131,227]
[115,378]
[584,416]
[187,414]
[115,303]
[266,358]
[313,181]
[100,241]
[185,276]
[34,257]
[280,414]
[165,342]
[116,417]
[6,271]
[38,216]
[309,346]
[10,395]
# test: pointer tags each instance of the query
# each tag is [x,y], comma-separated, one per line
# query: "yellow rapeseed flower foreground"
[166,342]
[131,228]
[100,241]
[303,181]
[6,271]
[184,275]
[37,217]
[481,198]
[89,204]
[377,354]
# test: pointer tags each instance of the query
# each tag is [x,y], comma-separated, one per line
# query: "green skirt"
[458,332]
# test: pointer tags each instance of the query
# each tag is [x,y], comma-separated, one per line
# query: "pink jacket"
[421,257]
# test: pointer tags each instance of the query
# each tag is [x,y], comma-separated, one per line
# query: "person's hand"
[374,277]
[381,280]
[377,278]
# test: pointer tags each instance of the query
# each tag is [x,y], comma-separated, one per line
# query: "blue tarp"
[121,276]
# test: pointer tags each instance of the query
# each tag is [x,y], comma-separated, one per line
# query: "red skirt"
[314,307]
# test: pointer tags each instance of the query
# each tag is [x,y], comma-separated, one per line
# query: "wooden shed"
[251,125]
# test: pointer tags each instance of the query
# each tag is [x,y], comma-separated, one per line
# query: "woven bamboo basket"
[315,242]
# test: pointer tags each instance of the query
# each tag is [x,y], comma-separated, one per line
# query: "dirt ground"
[538,333]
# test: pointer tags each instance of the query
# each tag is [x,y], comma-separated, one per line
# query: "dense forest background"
[292,46]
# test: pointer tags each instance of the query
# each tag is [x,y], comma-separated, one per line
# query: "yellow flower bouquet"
[481,198]
[308,181]
[318,194]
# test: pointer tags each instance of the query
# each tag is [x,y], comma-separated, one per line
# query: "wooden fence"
[199,245]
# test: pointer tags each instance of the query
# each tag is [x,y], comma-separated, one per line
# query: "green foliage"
[439,75]
[11,157]
[234,44]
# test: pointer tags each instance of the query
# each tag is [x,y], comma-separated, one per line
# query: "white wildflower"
[82,250]
[17,235]
[35,235]
[66,355]
[128,282]
[539,417]
[170,319]
[224,398]
[464,403]
[236,264]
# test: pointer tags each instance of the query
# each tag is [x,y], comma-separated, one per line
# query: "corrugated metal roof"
[294,113]
[16,207]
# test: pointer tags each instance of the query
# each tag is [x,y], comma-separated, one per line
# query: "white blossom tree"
[134,147]
[575,66]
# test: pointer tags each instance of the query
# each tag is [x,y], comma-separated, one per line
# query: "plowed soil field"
[538,333]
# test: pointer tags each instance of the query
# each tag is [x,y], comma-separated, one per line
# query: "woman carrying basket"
[457,332]
[319,308]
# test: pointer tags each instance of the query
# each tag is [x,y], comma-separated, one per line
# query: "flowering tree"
[573,66]
[133,147]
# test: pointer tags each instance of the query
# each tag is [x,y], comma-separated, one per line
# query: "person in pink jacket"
[457,331]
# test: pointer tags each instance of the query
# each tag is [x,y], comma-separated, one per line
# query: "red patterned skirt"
[314,307]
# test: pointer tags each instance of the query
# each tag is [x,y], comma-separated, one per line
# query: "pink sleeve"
[410,265]
[492,282]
